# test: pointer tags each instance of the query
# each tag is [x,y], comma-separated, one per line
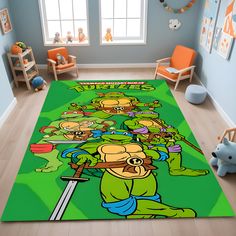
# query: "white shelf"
[27,66]
[30,76]
[22,72]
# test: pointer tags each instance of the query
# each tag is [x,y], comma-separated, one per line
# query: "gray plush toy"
[224,157]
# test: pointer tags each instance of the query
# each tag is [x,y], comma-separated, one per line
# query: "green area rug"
[113,150]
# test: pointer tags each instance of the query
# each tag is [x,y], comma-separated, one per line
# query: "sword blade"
[63,201]
[64,141]
[67,193]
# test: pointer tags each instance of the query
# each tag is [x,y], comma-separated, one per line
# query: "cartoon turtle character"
[156,134]
[128,186]
[74,111]
[115,103]
[72,129]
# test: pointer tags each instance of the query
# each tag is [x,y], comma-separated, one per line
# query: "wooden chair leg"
[155,75]
[177,83]
[191,76]
[55,73]
[48,69]
[28,85]
[16,83]
[77,72]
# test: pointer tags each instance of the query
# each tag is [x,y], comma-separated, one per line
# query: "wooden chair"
[230,134]
[181,62]
[59,69]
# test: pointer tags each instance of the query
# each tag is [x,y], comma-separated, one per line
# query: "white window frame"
[129,40]
[42,10]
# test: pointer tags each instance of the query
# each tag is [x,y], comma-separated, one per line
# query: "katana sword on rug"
[67,193]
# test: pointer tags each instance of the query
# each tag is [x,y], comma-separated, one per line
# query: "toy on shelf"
[15,50]
[57,38]
[224,156]
[81,35]
[25,61]
[18,48]
[21,45]
[60,59]
[38,83]
[108,36]
[23,65]
[69,37]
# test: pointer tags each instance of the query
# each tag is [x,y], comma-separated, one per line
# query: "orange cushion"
[52,54]
[162,70]
[182,57]
[65,66]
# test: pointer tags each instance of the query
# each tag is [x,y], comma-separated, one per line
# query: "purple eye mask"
[132,114]
[143,130]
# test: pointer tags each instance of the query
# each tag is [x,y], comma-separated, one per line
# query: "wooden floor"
[206,125]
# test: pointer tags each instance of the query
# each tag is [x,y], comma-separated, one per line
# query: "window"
[123,21]
[64,22]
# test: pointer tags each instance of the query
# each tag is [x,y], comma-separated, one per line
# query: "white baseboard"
[8,111]
[109,65]
[117,65]
[217,106]
[12,84]
[42,66]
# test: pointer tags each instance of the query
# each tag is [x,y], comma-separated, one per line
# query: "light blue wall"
[160,40]
[6,95]
[216,73]
[6,40]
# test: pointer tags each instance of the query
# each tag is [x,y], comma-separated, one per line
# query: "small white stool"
[195,94]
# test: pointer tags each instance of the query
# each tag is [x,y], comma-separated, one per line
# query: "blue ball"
[37,81]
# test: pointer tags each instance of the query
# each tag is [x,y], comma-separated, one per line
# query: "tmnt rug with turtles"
[113,150]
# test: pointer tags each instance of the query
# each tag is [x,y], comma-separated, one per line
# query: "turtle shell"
[132,154]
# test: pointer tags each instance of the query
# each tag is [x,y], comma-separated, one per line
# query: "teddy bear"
[69,37]
[57,38]
[81,35]
[108,36]
[60,59]
[224,157]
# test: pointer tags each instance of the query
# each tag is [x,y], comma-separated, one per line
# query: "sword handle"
[79,171]
[76,176]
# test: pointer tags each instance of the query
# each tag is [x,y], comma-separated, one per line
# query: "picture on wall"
[225,45]
[230,19]
[204,30]
[5,21]
[210,14]
[217,36]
